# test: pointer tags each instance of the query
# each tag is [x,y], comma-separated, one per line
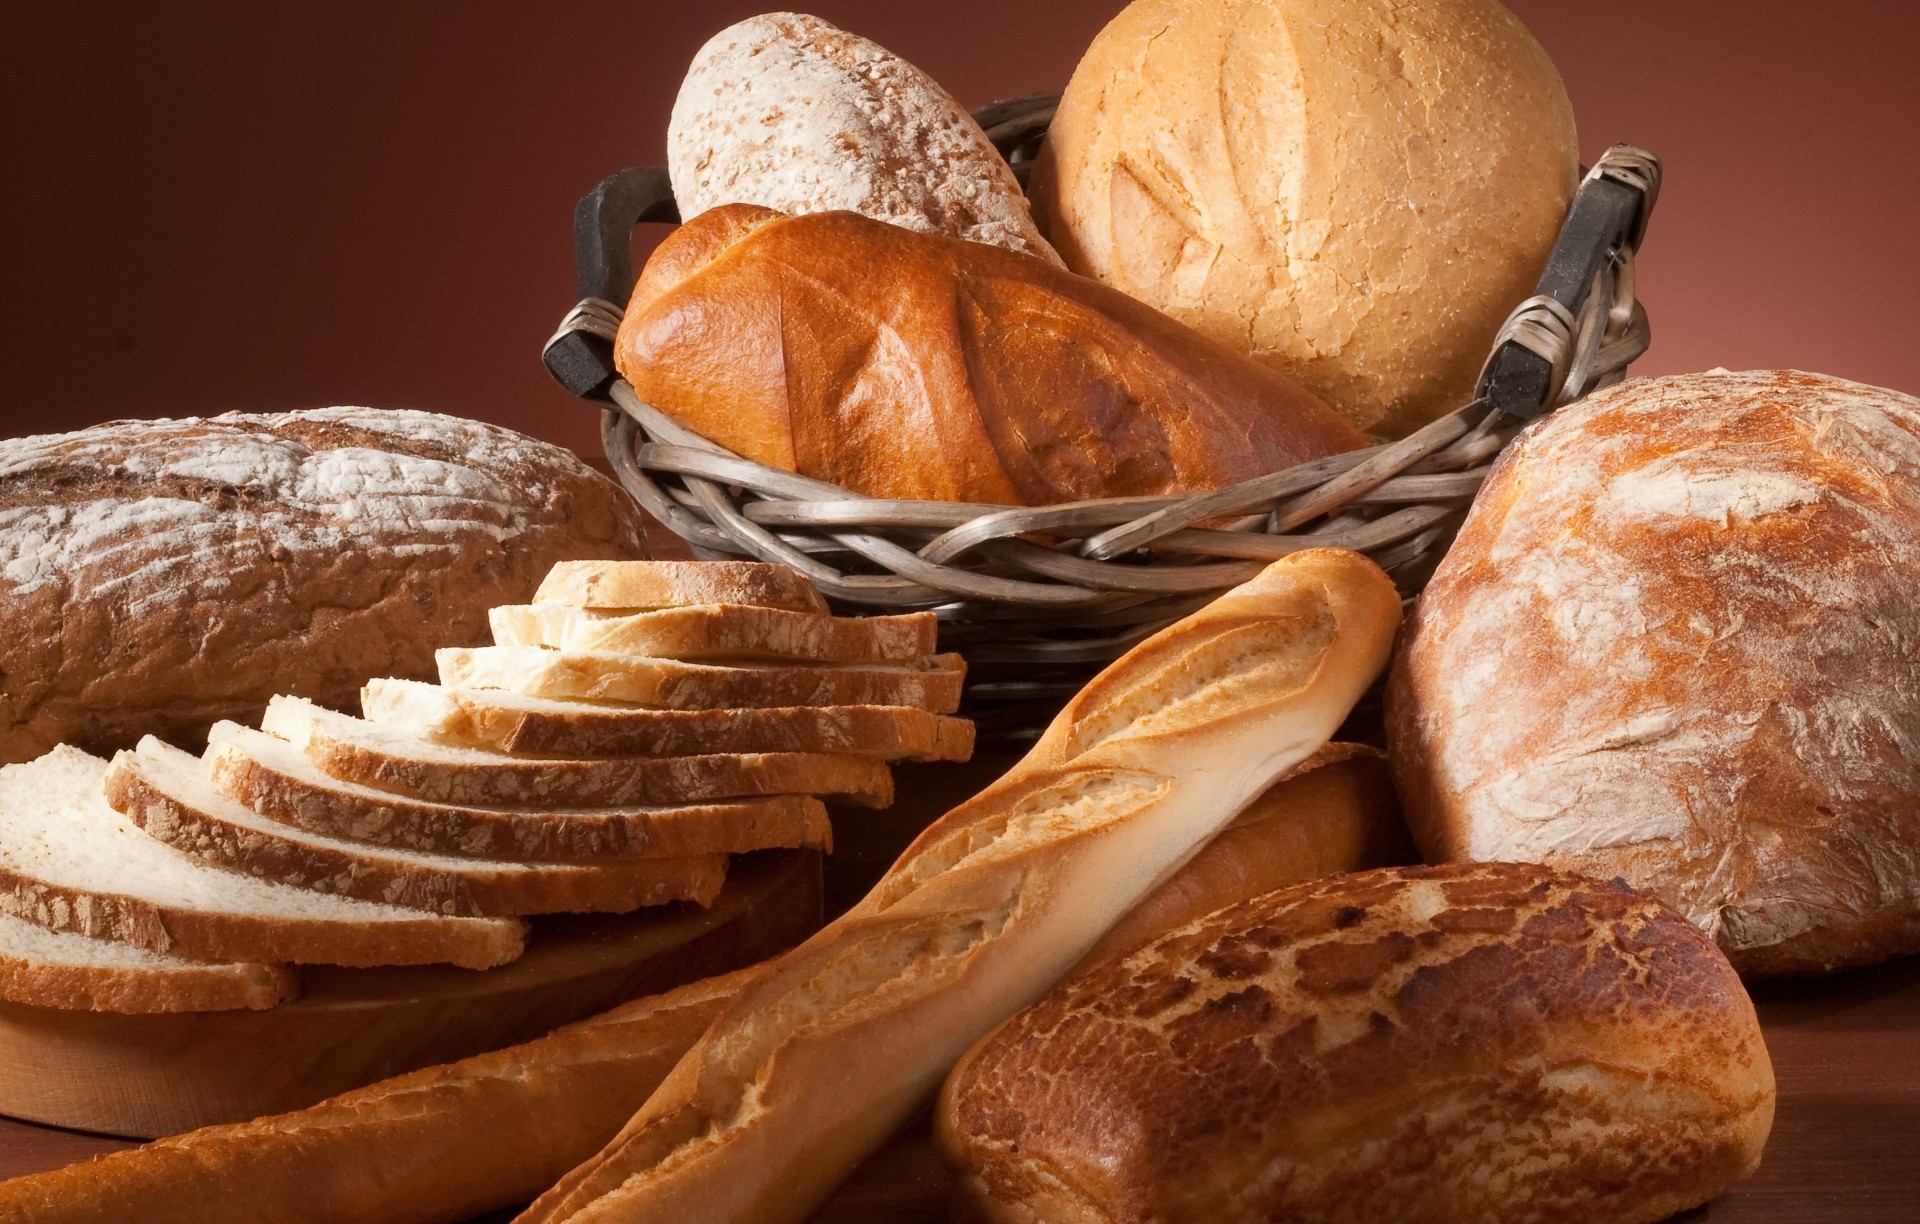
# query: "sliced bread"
[70,862]
[167,793]
[372,754]
[545,726]
[719,632]
[932,683]
[56,969]
[641,585]
[275,779]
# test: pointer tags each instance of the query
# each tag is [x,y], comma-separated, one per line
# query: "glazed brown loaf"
[1465,1043]
[1715,694]
[911,365]
[156,576]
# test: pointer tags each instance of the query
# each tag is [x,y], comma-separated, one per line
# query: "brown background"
[257,205]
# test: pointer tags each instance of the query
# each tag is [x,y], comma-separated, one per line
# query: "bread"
[1354,193]
[789,112]
[378,756]
[1694,599]
[600,675]
[45,968]
[1470,1042]
[540,726]
[1335,812]
[719,633]
[276,780]
[912,366]
[166,793]
[993,902]
[157,576]
[643,586]
[436,1146]
[69,862]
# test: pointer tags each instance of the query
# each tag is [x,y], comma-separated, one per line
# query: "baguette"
[719,633]
[542,726]
[638,586]
[993,903]
[932,683]
[436,1146]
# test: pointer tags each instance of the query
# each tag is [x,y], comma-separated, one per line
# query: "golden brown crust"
[1674,643]
[213,986]
[910,365]
[1453,1043]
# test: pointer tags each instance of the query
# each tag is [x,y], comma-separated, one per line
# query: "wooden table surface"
[1846,1052]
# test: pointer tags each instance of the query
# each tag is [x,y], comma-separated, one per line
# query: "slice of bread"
[932,683]
[642,585]
[167,793]
[719,632]
[275,779]
[56,969]
[544,726]
[379,756]
[70,862]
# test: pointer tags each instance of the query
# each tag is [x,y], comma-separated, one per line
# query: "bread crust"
[1468,1042]
[993,902]
[908,365]
[481,718]
[182,986]
[141,559]
[1716,692]
[645,585]
[721,633]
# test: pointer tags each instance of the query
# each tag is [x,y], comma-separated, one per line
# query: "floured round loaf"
[157,576]
[1354,193]
[1479,1042]
[1677,641]
[791,113]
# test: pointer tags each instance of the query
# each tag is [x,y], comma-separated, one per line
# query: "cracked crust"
[1470,1042]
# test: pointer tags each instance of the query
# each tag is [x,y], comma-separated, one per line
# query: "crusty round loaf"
[1678,642]
[1474,1042]
[1355,193]
[789,112]
[157,576]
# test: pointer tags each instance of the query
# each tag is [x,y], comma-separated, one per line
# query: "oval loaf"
[156,576]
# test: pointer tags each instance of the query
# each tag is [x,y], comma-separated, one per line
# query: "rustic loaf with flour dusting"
[1677,642]
[156,576]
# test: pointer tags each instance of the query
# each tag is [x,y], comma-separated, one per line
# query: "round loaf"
[1469,1042]
[157,576]
[791,113]
[1355,193]
[1677,642]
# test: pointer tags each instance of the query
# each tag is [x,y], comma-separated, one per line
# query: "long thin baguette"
[993,903]
[436,1146]
[545,726]
[719,633]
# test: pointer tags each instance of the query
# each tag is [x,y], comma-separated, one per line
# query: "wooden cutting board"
[145,1076]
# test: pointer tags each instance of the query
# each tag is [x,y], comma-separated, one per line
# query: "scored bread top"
[1534,1036]
[719,632]
[57,969]
[70,862]
[643,585]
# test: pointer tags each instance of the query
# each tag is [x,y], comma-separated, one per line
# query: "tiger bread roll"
[905,365]
[1487,1042]
[993,902]
[789,112]
[491,1131]
[1694,599]
[1354,193]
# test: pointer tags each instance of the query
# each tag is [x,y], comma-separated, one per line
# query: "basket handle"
[580,354]
[1524,375]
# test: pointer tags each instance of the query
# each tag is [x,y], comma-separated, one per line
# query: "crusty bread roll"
[1470,1042]
[791,113]
[835,1044]
[157,576]
[1355,193]
[1676,643]
[907,365]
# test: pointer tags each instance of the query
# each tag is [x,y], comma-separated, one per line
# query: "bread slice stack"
[629,730]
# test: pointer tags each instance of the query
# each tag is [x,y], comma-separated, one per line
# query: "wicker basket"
[1038,598]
